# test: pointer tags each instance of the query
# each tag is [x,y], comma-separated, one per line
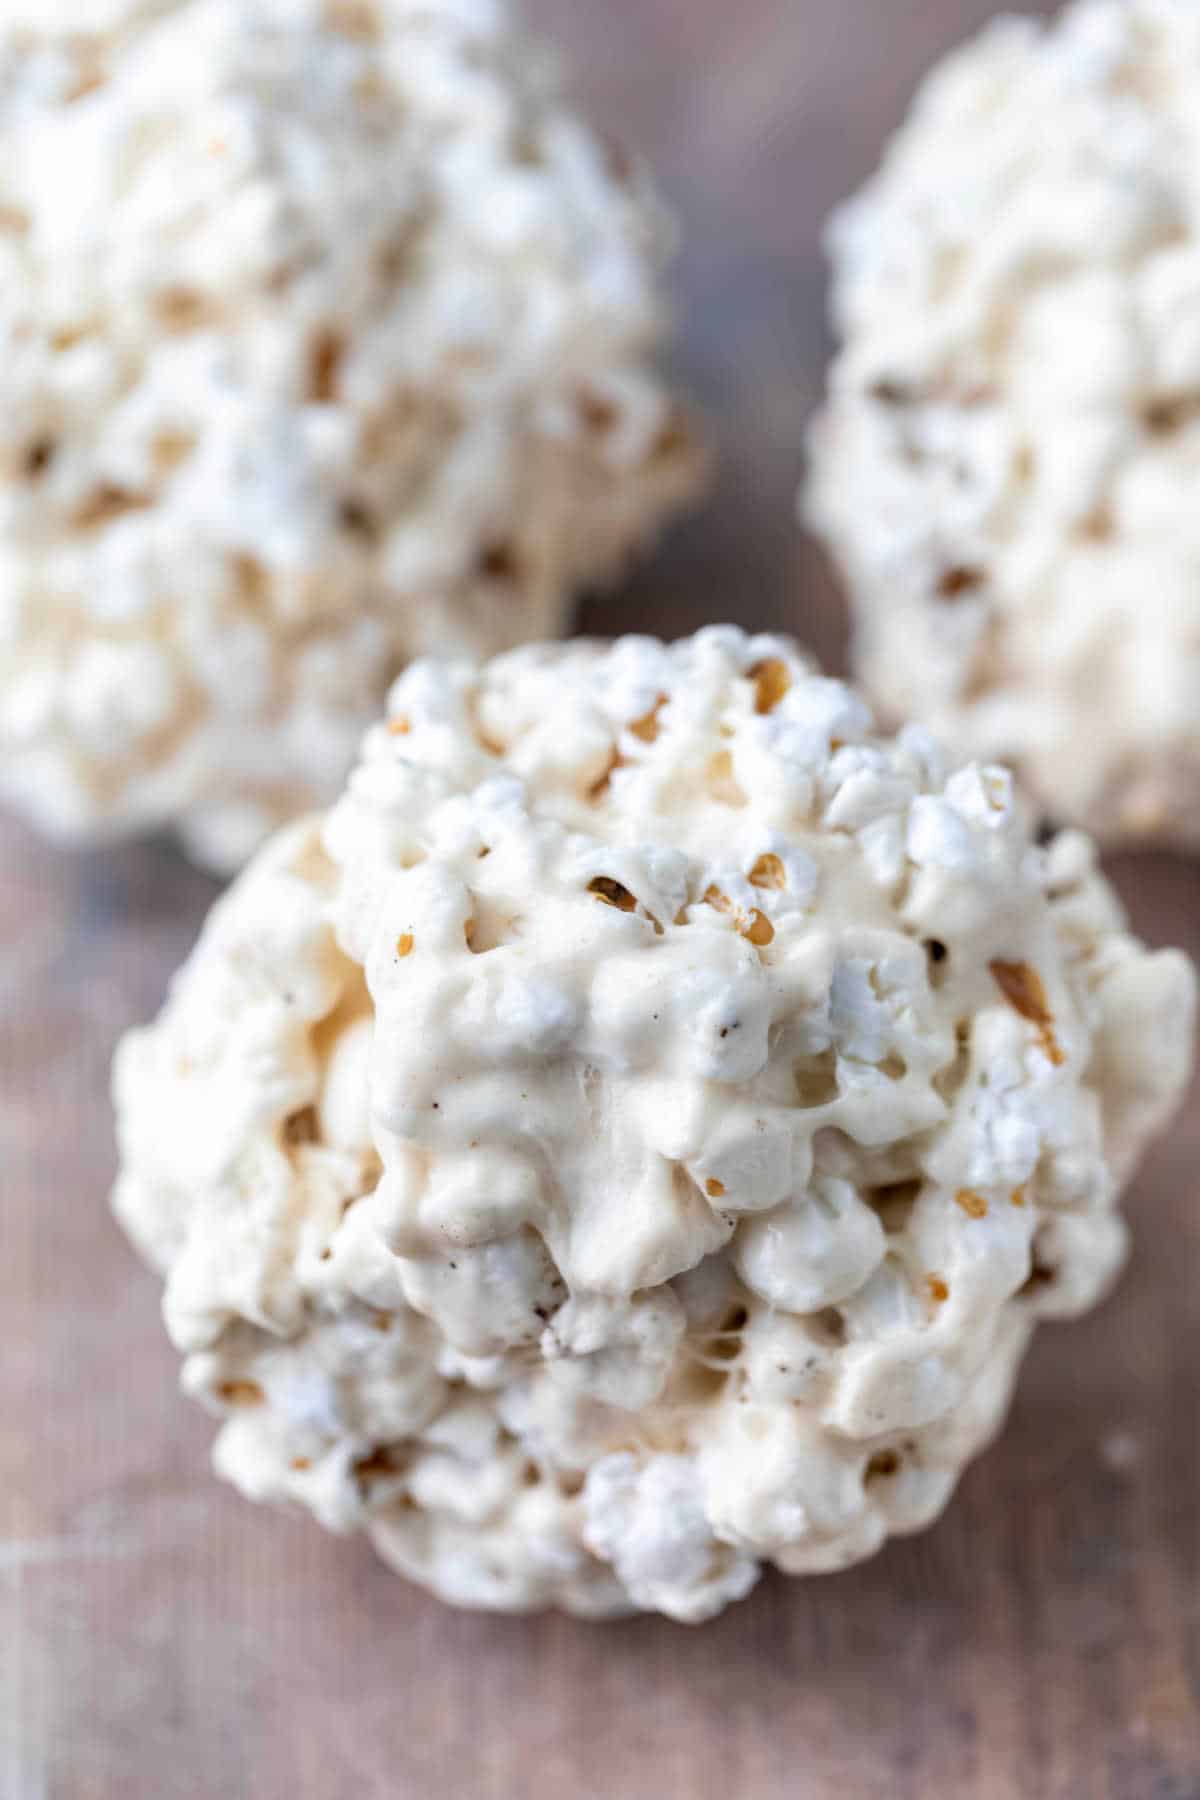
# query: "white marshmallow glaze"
[630,1139]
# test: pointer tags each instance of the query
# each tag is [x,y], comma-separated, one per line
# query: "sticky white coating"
[1008,467]
[630,1139]
[326,337]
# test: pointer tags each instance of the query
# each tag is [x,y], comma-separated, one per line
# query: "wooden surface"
[162,1640]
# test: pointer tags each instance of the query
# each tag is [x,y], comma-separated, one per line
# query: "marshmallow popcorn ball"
[1008,469]
[326,337]
[631,1138]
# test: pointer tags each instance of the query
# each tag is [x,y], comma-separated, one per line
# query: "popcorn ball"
[630,1139]
[326,336]
[1008,469]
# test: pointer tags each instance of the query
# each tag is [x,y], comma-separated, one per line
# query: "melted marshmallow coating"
[1008,469]
[631,1138]
[326,336]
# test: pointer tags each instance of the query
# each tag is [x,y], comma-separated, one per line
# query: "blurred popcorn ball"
[1008,469]
[633,1137]
[326,340]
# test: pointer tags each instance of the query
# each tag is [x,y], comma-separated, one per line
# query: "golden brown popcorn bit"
[612,893]
[499,562]
[170,449]
[38,457]
[675,437]
[252,579]
[937,1289]
[1022,987]
[599,787]
[758,928]
[399,727]
[973,1204]
[723,1345]
[1018,1196]
[240,1393]
[646,727]
[404,944]
[382,1462]
[754,925]
[959,581]
[1099,525]
[485,931]
[1164,417]
[325,366]
[814,1079]
[358,521]
[771,680]
[768,872]
[105,504]
[714,1189]
[301,1127]
[90,81]
[181,309]
[597,413]
[881,1465]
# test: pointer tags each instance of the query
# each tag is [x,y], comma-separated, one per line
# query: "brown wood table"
[162,1640]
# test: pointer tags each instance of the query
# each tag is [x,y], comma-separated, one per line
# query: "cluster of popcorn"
[630,1139]
[1008,465]
[327,335]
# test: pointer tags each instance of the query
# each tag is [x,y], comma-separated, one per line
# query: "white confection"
[325,342]
[1008,468]
[631,1137]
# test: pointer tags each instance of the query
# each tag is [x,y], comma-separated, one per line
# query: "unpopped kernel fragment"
[610,1243]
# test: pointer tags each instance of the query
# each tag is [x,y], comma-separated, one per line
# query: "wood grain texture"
[162,1640]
